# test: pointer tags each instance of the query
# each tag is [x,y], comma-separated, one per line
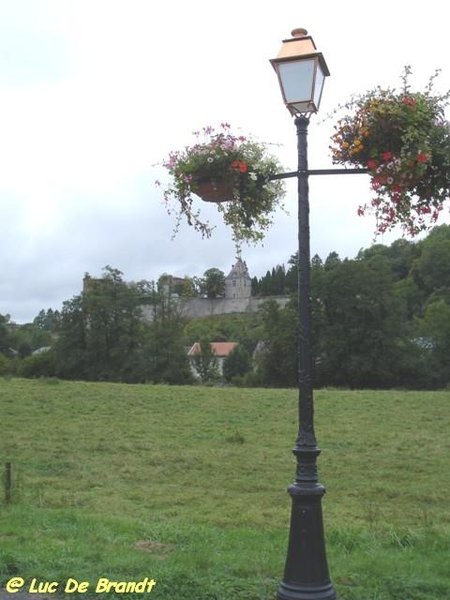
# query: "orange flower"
[239,166]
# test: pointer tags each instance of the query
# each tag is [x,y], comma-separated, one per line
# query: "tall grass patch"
[188,485]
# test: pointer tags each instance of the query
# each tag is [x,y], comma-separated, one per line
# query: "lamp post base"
[306,575]
[292,591]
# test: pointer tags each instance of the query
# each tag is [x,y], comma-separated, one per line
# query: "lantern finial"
[299,32]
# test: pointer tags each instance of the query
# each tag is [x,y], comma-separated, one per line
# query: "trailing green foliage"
[243,165]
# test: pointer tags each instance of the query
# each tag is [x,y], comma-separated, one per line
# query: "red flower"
[372,164]
[386,155]
[422,157]
[424,210]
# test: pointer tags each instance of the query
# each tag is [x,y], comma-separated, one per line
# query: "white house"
[220,349]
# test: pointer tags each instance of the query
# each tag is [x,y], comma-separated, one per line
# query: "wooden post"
[8,483]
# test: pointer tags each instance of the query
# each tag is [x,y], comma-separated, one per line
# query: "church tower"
[238,283]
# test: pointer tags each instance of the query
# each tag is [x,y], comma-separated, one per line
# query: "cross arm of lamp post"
[358,171]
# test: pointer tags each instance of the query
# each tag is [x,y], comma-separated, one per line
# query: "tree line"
[379,320]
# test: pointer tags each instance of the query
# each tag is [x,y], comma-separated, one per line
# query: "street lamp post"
[301,71]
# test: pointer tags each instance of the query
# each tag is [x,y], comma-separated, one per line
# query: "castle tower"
[238,283]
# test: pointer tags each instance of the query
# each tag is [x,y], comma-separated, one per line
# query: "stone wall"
[197,308]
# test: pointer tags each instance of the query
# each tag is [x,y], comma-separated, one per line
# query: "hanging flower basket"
[234,172]
[403,139]
[214,189]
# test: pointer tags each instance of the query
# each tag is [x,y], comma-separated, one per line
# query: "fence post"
[8,483]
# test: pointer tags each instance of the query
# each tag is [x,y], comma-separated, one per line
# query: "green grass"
[187,485]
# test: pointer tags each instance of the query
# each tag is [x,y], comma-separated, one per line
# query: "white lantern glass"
[301,73]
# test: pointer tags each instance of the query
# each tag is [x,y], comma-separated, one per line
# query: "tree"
[278,281]
[101,330]
[435,340]
[30,337]
[103,336]
[164,355]
[332,261]
[278,360]
[72,346]
[114,318]
[255,286]
[5,335]
[5,365]
[38,365]
[190,288]
[206,363]
[291,279]
[213,283]
[362,325]
[264,285]
[237,363]
[433,266]
[47,320]
[401,254]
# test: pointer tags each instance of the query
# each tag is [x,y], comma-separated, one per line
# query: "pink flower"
[408,101]
[376,183]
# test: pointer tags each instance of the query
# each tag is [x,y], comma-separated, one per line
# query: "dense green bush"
[38,365]
[5,365]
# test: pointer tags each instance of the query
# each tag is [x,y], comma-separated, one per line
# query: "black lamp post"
[301,72]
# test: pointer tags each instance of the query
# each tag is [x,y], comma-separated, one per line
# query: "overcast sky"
[95,93]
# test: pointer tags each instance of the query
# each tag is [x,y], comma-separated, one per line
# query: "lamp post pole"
[301,72]
[306,575]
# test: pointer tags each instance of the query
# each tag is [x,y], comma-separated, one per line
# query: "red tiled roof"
[221,349]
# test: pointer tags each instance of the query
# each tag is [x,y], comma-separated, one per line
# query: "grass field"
[187,485]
